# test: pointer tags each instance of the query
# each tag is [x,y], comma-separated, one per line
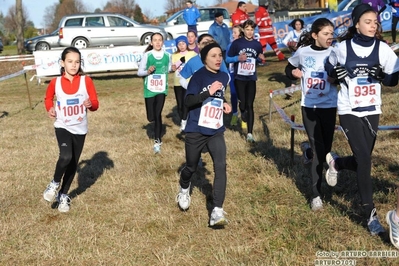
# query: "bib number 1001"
[72,110]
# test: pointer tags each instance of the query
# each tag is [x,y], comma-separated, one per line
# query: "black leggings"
[154,107]
[246,92]
[393,27]
[361,133]
[70,146]
[194,144]
[319,125]
[180,93]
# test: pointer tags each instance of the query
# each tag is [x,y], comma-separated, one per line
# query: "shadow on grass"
[149,128]
[3,114]
[90,170]
[348,201]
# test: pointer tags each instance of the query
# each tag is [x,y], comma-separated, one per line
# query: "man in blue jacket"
[220,32]
[190,15]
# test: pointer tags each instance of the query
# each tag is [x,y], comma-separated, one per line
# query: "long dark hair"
[68,50]
[352,31]
[149,47]
[306,38]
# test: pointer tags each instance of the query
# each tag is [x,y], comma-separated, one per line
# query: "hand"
[87,103]
[51,113]
[151,69]
[183,59]
[215,86]
[297,73]
[226,108]
[242,57]
[340,72]
[376,72]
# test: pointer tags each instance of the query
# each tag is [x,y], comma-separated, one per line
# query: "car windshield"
[173,16]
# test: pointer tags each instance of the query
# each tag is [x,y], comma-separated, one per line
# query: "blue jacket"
[191,15]
[221,34]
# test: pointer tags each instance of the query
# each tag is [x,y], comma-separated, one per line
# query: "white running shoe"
[50,192]
[183,198]
[331,173]
[157,146]
[317,204]
[63,203]
[217,217]
[393,228]
[250,138]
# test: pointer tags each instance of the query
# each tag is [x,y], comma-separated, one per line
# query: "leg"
[179,95]
[240,89]
[233,94]
[394,23]
[65,145]
[272,42]
[250,92]
[149,108]
[158,107]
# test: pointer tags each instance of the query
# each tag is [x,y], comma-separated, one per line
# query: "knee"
[64,159]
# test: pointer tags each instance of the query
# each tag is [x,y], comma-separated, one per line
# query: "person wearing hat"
[205,99]
[190,15]
[220,32]
[361,62]
[179,59]
[266,31]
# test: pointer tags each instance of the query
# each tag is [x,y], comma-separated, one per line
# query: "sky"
[153,8]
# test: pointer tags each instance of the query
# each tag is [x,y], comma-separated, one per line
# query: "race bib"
[72,111]
[364,92]
[247,68]
[211,115]
[156,83]
[316,84]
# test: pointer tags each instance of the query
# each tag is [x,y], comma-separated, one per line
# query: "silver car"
[42,42]
[104,29]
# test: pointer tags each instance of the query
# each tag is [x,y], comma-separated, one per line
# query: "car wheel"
[80,43]
[42,46]
[146,39]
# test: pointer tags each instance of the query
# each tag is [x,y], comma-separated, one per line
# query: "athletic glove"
[340,72]
[376,72]
[183,59]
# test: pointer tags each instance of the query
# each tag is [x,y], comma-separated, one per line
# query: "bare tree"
[20,27]
[54,13]
[124,7]
[172,6]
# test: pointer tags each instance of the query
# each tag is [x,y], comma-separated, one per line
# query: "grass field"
[123,209]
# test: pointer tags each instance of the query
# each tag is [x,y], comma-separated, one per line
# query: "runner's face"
[368,24]
[249,32]
[71,64]
[214,59]
[298,26]
[236,33]
[157,42]
[325,37]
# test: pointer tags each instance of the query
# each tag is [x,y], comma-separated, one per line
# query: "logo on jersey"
[216,103]
[310,62]
[72,101]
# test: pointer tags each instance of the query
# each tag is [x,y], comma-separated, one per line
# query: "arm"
[289,71]
[142,71]
[92,102]
[49,99]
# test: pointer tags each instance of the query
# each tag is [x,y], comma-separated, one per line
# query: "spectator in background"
[378,6]
[395,19]
[292,38]
[220,32]
[190,15]
[240,15]
[266,30]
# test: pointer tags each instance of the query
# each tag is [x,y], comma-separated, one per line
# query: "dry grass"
[123,209]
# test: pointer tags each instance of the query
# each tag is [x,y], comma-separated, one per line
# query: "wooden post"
[292,140]
[27,88]
[270,104]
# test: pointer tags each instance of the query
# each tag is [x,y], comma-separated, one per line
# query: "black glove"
[182,59]
[376,72]
[340,72]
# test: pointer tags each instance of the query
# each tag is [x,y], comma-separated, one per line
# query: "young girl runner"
[237,33]
[75,93]
[248,50]
[206,103]
[155,66]
[292,38]
[319,97]
[192,41]
[179,58]
[361,61]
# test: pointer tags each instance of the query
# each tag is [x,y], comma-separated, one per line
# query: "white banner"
[120,58]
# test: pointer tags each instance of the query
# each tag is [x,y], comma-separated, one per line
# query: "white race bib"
[211,115]
[316,84]
[156,82]
[72,110]
[246,68]
[364,92]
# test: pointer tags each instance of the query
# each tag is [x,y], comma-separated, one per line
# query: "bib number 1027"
[213,112]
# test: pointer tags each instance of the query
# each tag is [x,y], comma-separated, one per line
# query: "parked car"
[1,46]
[103,29]
[175,25]
[42,42]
